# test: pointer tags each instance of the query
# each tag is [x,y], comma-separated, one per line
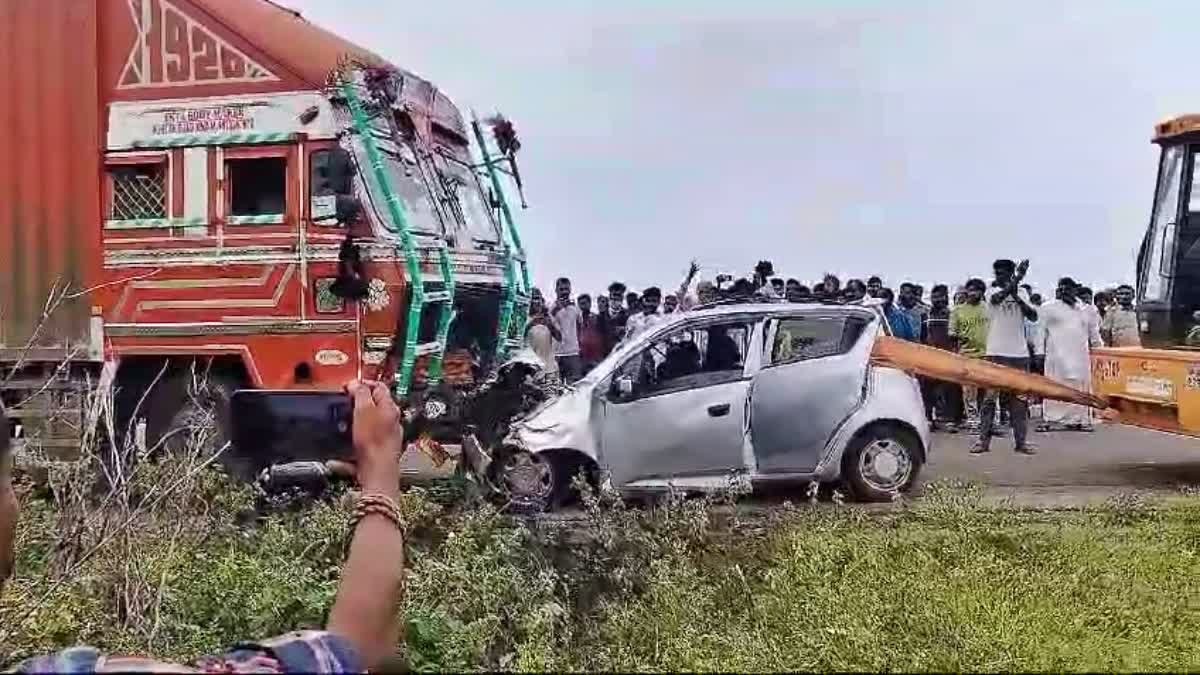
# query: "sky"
[913,140]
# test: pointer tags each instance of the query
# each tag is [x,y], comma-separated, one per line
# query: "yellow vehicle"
[1158,385]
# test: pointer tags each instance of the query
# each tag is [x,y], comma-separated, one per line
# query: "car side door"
[812,379]
[678,407]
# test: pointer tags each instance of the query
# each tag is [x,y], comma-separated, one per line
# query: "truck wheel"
[881,462]
[189,416]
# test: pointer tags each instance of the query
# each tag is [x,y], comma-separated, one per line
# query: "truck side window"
[139,191]
[322,198]
[257,187]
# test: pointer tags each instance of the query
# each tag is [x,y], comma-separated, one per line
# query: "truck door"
[1156,260]
[1186,282]
[259,203]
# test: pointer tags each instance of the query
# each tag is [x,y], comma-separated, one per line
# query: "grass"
[942,584]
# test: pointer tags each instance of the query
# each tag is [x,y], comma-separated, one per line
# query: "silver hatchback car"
[769,393]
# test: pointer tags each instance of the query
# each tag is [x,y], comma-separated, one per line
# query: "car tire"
[531,483]
[882,461]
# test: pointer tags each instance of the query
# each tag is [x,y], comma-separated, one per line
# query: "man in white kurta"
[1087,304]
[1069,335]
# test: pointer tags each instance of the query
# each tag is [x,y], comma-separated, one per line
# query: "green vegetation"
[941,584]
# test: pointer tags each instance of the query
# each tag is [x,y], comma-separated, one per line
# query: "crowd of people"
[1003,320]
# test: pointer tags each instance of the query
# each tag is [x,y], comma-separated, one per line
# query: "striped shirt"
[300,652]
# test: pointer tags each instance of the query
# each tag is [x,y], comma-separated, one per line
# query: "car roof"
[771,308]
[755,310]
[762,310]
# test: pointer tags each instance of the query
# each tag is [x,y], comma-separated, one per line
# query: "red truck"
[220,192]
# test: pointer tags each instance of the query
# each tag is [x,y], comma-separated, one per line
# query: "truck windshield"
[406,181]
[1160,244]
[466,197]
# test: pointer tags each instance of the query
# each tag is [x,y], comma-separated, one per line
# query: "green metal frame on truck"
[399,226]
[515,307]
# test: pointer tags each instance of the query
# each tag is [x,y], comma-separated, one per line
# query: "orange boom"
[943,365]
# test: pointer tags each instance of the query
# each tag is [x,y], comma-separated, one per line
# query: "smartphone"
[277,427]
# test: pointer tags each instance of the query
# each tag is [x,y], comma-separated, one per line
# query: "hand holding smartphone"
[353,431]
[278,427]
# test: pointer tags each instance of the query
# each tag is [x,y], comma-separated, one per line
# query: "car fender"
[892,396]
[570,421]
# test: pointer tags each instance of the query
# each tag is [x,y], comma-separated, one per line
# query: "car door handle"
[720,410]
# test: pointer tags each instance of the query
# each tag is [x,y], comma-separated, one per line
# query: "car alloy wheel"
[885,464]
[527,476]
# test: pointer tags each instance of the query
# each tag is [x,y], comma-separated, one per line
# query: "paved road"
[1073,467]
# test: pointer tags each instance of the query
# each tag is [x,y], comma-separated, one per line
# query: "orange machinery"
[1158,386]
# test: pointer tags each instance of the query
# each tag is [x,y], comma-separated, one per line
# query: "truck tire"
[882,461]
[189,415]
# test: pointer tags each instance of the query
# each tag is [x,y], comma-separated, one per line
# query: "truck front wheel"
[188,416]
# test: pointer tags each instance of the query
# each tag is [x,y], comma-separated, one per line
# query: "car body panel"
[670,439]
[675,434]
[797,407]
[571,421]
[893,397]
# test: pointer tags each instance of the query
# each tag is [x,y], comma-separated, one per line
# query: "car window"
[803,338]
[688,358]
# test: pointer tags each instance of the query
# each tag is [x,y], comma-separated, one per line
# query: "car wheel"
[530,482]
[882,462]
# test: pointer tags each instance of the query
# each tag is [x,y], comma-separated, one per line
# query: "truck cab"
[228,196]
[1168,265]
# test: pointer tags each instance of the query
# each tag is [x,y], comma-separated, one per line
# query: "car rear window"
[803,338]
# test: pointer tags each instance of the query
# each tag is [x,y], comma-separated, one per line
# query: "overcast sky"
[908,139]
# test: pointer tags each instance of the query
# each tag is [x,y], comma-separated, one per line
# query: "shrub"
[682,584]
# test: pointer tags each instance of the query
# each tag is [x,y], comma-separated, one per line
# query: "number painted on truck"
[172,49]
[1106,370]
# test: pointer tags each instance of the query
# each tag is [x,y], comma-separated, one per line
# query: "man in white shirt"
[1008,308]
[1084,295]
[1035,337]
[541,334]
[1069,335]
[567,316]
[648,317]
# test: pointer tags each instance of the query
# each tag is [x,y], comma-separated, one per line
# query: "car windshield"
[619,354]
